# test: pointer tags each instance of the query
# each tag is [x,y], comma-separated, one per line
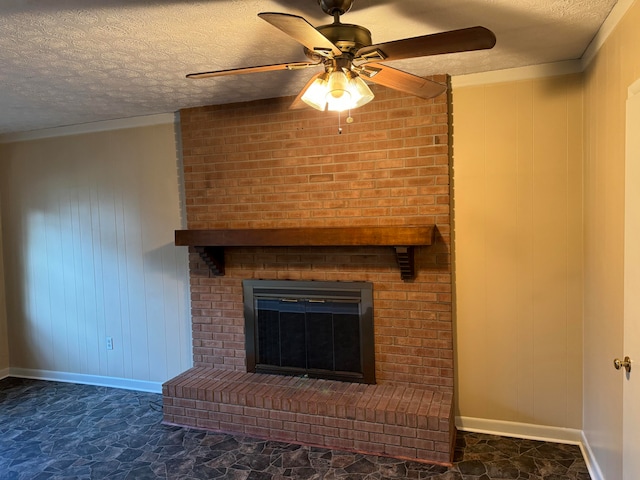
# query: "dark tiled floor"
[51,430]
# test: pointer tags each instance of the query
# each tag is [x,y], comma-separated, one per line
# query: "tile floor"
[52,430]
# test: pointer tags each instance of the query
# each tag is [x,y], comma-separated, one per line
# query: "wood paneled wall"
[615,68]
[519,250]
[88,247]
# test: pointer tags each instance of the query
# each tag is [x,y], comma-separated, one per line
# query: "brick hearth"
[261,165]
[399,421]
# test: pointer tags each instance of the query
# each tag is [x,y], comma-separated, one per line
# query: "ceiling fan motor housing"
[331,7]
[348,38]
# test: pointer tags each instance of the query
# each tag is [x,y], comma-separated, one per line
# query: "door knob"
[626,364]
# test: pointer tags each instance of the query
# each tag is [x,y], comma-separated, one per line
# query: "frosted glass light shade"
[337,92]
[360,91]
[316,92]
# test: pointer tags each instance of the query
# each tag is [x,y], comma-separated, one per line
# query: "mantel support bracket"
[405,258]
[213,257]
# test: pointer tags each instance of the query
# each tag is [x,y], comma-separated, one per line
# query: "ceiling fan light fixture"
[360,91]
[338,95]
[315,95]
[348,55]
[337,91]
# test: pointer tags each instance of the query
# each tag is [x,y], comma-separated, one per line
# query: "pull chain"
[348,120]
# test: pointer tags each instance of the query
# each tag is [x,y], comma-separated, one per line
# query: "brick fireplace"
[259,165]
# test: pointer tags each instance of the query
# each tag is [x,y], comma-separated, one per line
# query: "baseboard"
[520,430]
[594,469]
[114,382]
[534,432]
[4,373]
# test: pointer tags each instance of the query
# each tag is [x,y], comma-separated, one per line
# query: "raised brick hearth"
[399,421]
[261,165]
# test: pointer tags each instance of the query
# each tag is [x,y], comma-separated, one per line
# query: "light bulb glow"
[337,91]
[360,91]
[315,94]
[338,95]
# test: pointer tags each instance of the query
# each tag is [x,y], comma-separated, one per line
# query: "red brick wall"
[261,165]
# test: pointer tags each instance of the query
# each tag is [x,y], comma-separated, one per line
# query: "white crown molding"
[550,69]
[119,124]
[606,29]
[530,431]
[517,74]
[634,89]
[113,382]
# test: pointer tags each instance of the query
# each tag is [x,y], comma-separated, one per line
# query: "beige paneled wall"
[518,250]
[89,223]
[615,68]
[4,340]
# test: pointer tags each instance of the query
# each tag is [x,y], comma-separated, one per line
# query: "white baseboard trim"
[520,430]
[4,373]
[113,382]
[529,431]
[594,469]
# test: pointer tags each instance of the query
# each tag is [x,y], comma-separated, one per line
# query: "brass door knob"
[626,364]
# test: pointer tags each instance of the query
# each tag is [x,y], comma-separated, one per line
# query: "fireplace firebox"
[310,328]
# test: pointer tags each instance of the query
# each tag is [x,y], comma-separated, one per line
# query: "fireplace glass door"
[315,329]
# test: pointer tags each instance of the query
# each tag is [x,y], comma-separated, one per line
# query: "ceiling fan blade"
[403,81]
[454,41]
[261,68]
[301,31]
[297,102]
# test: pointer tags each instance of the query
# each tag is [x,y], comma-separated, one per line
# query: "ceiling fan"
[347,54]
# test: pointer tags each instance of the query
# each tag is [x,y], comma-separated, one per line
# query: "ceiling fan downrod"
[335,8]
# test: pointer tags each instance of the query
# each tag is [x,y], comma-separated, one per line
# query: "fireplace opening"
[310,328]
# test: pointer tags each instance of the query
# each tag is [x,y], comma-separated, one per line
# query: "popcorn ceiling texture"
[77,61]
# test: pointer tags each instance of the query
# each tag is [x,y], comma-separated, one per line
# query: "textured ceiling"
[66,62]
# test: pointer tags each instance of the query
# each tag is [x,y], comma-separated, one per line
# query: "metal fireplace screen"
[310,328]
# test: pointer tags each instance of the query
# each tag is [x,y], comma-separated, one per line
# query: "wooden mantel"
[210,244]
